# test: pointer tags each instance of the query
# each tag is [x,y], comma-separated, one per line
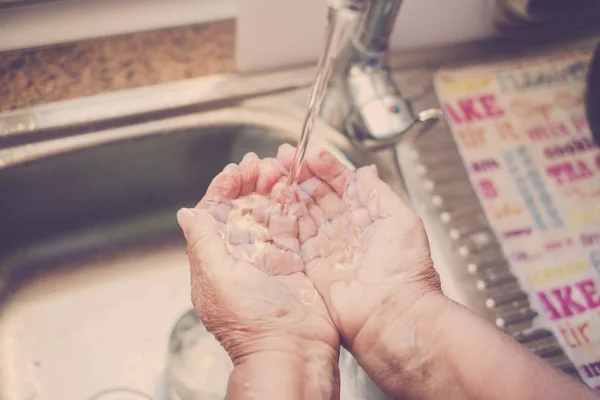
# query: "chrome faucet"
[362,100]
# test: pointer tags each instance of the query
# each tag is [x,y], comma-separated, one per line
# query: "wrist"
[305,370]
[400,343]
[420,308]
[241,346]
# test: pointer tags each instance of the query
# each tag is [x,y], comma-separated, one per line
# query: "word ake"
[470,109]
[559,303]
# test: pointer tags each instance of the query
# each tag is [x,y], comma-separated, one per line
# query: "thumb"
[202,234]
[186,217]
[379,198]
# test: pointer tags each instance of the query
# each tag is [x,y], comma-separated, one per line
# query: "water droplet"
[339,266]
[308,296]
[358,231]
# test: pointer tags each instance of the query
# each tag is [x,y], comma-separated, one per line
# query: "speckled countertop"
[42,75]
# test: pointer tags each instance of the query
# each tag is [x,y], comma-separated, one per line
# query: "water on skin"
[308,296]
[244,226]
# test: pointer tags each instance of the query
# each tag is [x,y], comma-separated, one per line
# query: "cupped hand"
[247,273]
[365,251]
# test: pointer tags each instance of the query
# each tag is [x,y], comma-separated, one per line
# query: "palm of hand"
[360,244]
[263,245]
[344,233]
[367,264]
[248,283]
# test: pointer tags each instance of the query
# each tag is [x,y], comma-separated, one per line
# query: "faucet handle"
[424,121]
[380,117]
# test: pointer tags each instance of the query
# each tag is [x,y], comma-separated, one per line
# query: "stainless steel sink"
[94,274]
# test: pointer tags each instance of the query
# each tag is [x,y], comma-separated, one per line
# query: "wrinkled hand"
[255,265]
[363,248]
[248,284]
[277,273]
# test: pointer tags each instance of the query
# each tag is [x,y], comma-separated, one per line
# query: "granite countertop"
[41,75]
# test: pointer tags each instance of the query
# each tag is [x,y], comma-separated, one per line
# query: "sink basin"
[93,269]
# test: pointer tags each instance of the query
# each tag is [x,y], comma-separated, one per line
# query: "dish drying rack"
[444,197]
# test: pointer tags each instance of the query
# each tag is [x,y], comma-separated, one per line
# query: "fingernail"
[230,168]
[249,157]
[245,159]
[183,219]
[285,147]
[374,170]
[183,215]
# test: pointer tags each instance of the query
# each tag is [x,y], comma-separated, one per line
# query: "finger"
[317,215]
[370,194]
[312,217]
[329,201]
[360,215]
[291,201]
[270,170]
[203,237]
[220,211]
[307,228]
[280,192]
[375,170]
[261,213]
[297,209]
[249,169]
[317,247]
[282,262]
[225,186]
[287,244]
[378,198]
[285,155]
[332,206]
[328,168]
[283,226]
[238,234]
[315,188]
[351,198]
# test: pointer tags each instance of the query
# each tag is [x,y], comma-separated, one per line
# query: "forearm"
[310,373]
[439,349]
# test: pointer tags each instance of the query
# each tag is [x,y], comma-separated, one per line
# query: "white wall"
[270,34]
[83,19]
[277,33]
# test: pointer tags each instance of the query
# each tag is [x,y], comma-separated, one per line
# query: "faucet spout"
[362,100]
[377,24]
